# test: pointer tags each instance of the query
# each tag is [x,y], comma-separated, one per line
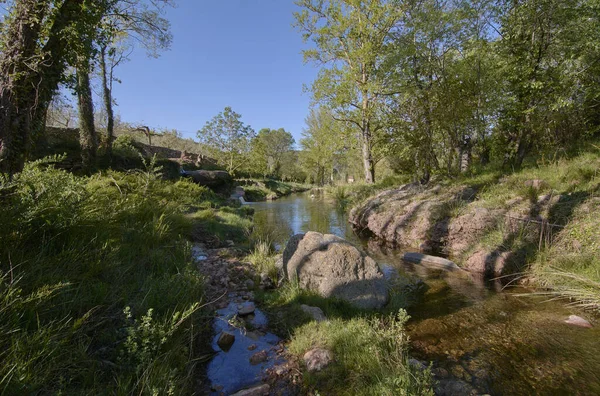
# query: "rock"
[317,359]
[280,370]
[246,309]
[536,183]
[266,282]
[333,267]
[432,261]
[417,364]
[454,388]
[491,264]
[209,178]
[440,372]
[578,321]
[315,312]
[279,262]
[252,347]
[249,284]
[230,243]
[225,340]
[259,357]
[259,390]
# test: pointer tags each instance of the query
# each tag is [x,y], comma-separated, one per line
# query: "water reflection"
[277,221]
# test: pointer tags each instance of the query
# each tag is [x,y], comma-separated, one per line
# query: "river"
[500,339]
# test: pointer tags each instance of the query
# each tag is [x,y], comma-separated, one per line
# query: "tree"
[130,23]
[39,40]
[322,140]
[269,148]
[352,37]
[535,38]
[229,138]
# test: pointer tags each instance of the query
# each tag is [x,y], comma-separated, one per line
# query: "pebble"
[246,309]
[258,357]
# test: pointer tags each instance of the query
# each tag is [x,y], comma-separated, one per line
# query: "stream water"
[497,340]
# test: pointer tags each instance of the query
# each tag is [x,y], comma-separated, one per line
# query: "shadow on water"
[502,342]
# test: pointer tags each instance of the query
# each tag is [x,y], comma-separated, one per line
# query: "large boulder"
[209,178]
[335,268]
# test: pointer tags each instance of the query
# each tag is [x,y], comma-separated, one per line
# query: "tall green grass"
[98,291]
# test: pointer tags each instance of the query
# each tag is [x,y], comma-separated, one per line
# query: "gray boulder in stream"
[335,268]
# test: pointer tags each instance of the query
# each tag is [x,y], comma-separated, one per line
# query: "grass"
[98,290]
[370,357]
[263,260]
[370,348]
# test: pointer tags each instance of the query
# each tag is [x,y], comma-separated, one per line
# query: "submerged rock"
[246,309]
[578,321]
[335,268]
[259,357]
[259,390]
[434,261]
[317,359]
[225,340]
[315,312]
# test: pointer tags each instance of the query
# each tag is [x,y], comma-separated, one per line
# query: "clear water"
[500,340]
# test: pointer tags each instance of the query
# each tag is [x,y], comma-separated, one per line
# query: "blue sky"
[239,53]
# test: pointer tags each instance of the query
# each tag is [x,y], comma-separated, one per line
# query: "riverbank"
[257,190]
[540,223]
[99,292]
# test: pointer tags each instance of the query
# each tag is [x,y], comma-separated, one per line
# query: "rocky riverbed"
[249,360]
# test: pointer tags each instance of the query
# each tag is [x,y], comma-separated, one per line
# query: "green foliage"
[75,252]
[229,138]
[322,140]
[351,41]
[269,149]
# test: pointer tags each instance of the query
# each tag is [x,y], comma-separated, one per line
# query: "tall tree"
[269,147]
[352,37]
[129,24]
[321,141]
[228,137]
[20,66]
[38,42]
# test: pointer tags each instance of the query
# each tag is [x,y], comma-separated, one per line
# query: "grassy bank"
[542,220]
[267,189]
[98,290]
[370,349]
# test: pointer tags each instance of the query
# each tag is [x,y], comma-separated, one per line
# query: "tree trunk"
[27,85]
[107,96]
[369,165]
[17,92]
[87,130]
